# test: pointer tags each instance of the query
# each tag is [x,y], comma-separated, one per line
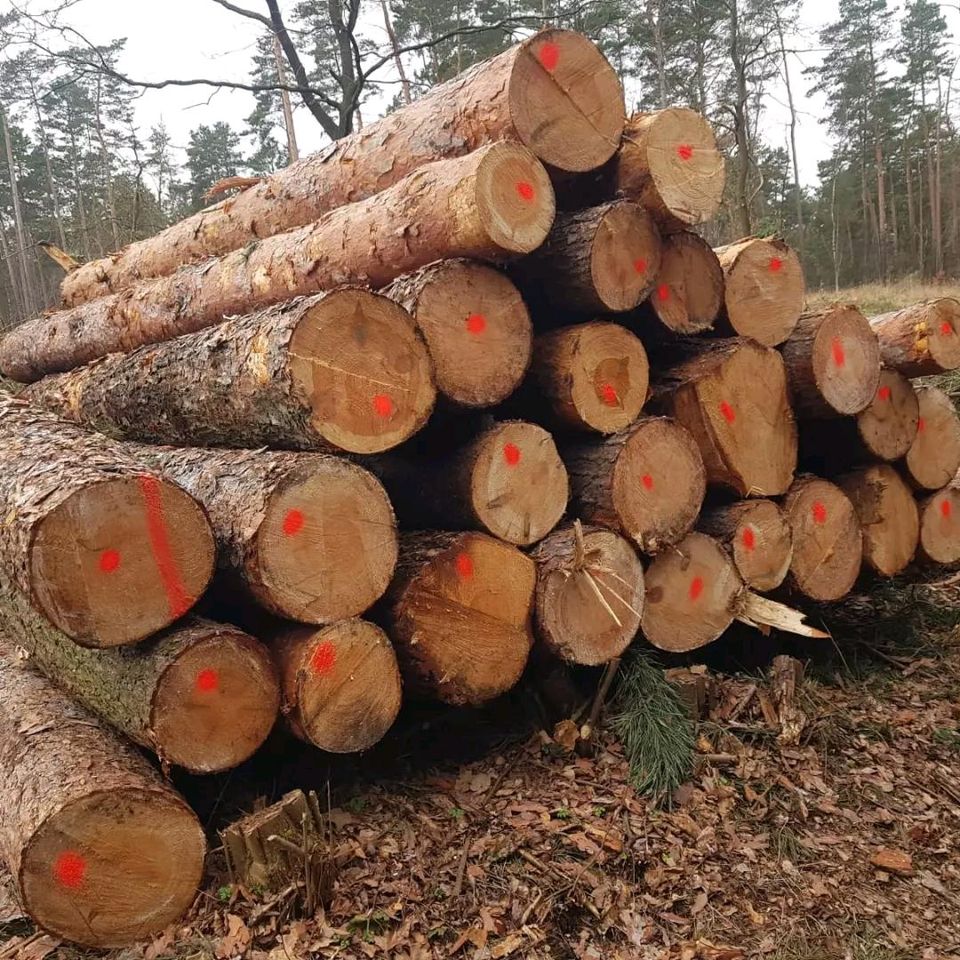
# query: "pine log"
[309,537]
[598,260]
[590,590]
[934,456]
[732,397]
[488,205]
[669,162]
[554,92]
[888,517]
[508,481]
[105,551]
[833,363]
[758,537]
[592,376]
[647,482]
[827,540]
[940,525]
[340,371]
[921,340]
[460,615]
[341,684]
[476,327]
[101,850]
[763,289]
[688,293]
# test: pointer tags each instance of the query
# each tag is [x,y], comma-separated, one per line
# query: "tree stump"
[921,340]
[934,456]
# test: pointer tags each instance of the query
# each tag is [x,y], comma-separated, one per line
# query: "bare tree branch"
[245,13]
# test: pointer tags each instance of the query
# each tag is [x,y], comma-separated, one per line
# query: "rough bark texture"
[934,456]
[341,684]
[833,363]
[104,550]
[476,327]
[341,370]
[509,481]
[921,340]
[488,205]
[732,397]
[310,537]
[554,92]
[102,852]
[601,259]
[460,615]
[940,525]
[590,591]
[647,482]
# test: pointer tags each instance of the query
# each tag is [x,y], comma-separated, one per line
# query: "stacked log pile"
[381,425]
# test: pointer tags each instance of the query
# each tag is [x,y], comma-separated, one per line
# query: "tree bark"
[553,92]
[293,151]
[340,371]
[934,456]
[489,204]
[101,850]
[102,549]
[921,340]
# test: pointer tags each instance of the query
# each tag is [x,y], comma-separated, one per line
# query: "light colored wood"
[934,456]
[921,340]
[888,426]
[940,525]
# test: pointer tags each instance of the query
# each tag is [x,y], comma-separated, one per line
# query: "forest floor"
[874,298]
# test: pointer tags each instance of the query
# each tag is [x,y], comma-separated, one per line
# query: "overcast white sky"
[198,38]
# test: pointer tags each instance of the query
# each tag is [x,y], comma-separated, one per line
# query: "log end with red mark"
[939,535]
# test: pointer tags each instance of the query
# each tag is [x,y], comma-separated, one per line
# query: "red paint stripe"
[177,597]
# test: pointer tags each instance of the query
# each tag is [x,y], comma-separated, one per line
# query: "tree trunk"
[833,363]
[395,47]
[341,684]
[598,260]
[453,208]
[763,289]
[732,397]
[934,456]
[921,340]
[797,190]
[590,592]
[508,481]
[340,371]
[293,151]
[101,850]
[940,525]
[476,327]
[30,302]
[105,551]
[647,482]
[307,536]
[51,183]
[553,92]
[106,170]
[459,614]
[18,307]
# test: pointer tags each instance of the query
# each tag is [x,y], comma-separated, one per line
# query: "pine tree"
[267,116]
[212,155]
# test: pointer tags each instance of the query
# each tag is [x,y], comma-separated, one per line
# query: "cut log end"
[327,547]
[692,592]
[943,333]
[380,390]
[888,517]
[922,339]
[590,594]
[341,684]
[827,540]
[215,704]
[120,560]
[462,622]
[625,256]
[846,360]
[688,292]
[518,485]
[566,101]
[764,290]
[940,526]
[888,426]
[934,456]
[514,198]
[113,867]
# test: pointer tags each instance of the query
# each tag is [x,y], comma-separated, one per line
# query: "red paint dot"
[323,659]
[696,588]
[608,395]
[819,513]
[839,355]
[464,566]
[640,265]
[382,405]
[109,561]
[749,538]
[208,681]
[727,412]
[663,292]
[525,190]
[883,393]
[70,869]
[921,424]
[945,328]
[946,508]
[476,323]
[776,264]
[293,523]
[685,151]
[549,54]
[647,481]
[511,453]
